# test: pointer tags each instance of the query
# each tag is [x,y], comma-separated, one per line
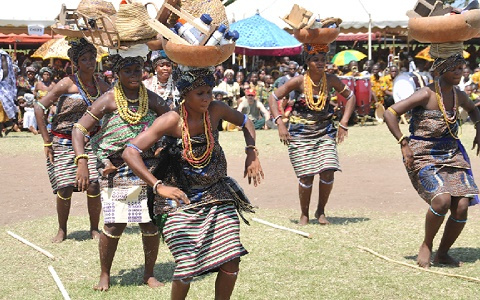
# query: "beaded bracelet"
[48,144]
[81,128]
[130,145]
[275,96]
[345,87]
[75,160]
[276,118]
[156,185]
[42,106]
[251,147]
[350,96]
[343,127]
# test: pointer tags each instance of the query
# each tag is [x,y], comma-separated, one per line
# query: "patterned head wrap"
[158,57]
[31,69]
[310,50]
[443,65]
[46,69]
[119,62]
[79,47]
[188,78]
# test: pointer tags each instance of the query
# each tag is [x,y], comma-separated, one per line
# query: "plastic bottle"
[235,36]
[316,24]
[216,36]
[185,34]
[227,38]
[204,22]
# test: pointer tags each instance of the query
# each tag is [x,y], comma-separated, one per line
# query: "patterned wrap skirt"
[63,171]
[313,149]
[201,239]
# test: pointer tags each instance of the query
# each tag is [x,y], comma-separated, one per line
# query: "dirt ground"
[365,184]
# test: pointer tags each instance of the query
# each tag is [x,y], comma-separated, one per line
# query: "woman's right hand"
[407,154]
[174,193]
[48,153]
[283,133]
[82,179]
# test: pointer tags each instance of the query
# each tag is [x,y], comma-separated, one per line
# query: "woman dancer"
[72,95]
[127,110]
[162,84]
[197,167]
[434,157]
[311,135]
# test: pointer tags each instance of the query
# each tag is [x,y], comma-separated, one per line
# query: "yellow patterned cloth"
[377,88]
[476,78]
[387,83]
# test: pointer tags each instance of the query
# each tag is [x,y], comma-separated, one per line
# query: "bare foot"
[303,220]
[103,284]
[95,234]
[33,130]
[445,259]
[60,237]
[153,282]
[423,258]
[322,220]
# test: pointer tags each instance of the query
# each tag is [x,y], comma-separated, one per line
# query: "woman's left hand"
[476,141]
[341,134]
[253,169]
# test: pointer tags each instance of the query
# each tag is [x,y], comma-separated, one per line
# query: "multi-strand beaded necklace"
[441,105]
[204,159]
[90,98]
[132,117]
[319,104]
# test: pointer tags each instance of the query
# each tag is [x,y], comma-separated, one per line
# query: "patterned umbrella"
[424,54]
[261,37]
[344,57]
[57,48]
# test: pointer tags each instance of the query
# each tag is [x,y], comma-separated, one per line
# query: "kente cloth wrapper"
[204,234]
[189,78]
[310,50]
[440,163]
[79,47]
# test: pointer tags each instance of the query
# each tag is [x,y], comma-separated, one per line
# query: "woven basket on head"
[96,8]
[132,22]
[196,8]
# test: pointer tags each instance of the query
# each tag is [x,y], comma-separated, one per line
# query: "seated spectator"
[255,110]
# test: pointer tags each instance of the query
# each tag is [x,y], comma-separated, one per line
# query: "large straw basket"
[317,35]
[132,22]
[444,29]
[214,8]
[197,56]
[96,8]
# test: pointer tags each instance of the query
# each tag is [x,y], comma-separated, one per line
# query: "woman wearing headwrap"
[311,135]
[435,160]
[72,95]
[198,216]
[8,90]
[162,83]
[126,110]
[45,85]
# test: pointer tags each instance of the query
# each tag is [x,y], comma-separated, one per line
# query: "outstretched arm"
[165,124]
[348,94]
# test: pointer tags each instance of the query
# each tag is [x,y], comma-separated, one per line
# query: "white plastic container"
[316,24]
[227,38]
[216,36]
[235,36]
[185,34]
[204,22]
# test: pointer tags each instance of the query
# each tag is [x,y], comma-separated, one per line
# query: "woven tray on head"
[444,29]
[317,35]
[197,56]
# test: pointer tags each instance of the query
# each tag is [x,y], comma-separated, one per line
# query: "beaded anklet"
[64,198]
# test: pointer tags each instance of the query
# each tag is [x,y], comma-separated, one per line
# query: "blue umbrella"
[261,37]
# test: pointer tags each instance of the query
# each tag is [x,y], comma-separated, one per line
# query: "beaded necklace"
[308,84]
[132,117]
[441,105]
[85,90]
[204,159]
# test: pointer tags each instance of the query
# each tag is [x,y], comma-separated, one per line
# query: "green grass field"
[281,265]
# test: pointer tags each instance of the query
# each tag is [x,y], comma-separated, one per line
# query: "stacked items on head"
[444,26]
